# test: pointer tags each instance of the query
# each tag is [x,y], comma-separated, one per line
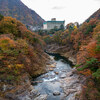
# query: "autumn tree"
[1,17]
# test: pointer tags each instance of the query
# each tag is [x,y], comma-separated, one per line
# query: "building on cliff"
[48,25]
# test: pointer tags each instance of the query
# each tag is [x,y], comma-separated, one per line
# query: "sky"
[68,10]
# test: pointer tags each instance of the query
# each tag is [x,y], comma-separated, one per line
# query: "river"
[59,83]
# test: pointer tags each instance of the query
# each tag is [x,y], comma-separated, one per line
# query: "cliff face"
[21,57]
[16,9]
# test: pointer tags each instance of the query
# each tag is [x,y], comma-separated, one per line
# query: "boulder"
[41,97]
[63,75]
[56,93]
[56,73]
[52,66]
[51,69]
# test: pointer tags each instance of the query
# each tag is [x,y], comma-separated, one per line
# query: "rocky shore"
[63,51]
[69,81]
[23,88]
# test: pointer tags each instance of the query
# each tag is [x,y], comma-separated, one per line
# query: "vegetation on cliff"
[85,42]
[20,52]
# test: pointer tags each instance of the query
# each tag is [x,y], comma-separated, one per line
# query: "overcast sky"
[68,10]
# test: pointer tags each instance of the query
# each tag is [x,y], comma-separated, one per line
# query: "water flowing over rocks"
[60,83]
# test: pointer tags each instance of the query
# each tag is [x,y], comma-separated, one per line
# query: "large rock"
[41,97]
[56,73]
[10,96]
[52,66]
[51,69]
[56,93]
[70,91]
[63,75]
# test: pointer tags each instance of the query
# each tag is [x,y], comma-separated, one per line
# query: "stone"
[34,93]
[53,66]
[56,73]
[4,87]
[62,75]
[27,98]
[11,87]
[19,91]
[69,74]
[51,69]
[56,93]
[36,82]
[41,97]
[10,96]
[48,63]
[70,91]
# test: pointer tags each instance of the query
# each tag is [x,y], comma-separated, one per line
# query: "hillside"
[95,15]
[82,46]
[16,9]
[21,58]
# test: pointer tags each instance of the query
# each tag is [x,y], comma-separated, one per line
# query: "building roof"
[54,22]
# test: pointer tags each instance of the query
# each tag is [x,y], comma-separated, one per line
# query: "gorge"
[61,81]
[58,64]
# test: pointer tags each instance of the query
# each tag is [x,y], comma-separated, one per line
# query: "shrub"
[97,74]
[93,49]
[47,39]
[77,65]
[1,17]
[89,29]
[8,25]
[10,77]
[97,48]
[92,64]
[36,40]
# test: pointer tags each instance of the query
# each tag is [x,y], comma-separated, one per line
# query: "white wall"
[51,25]
[45,26]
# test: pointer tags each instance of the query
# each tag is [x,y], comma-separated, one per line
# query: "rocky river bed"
[61,82]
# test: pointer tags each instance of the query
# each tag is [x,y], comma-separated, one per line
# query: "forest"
[22,54]
[84,41]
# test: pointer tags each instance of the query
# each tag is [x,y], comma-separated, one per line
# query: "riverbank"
[21,58]
[65,51]
[22,89]
[61,82]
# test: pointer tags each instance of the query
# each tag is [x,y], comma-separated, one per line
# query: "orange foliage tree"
[91,48]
